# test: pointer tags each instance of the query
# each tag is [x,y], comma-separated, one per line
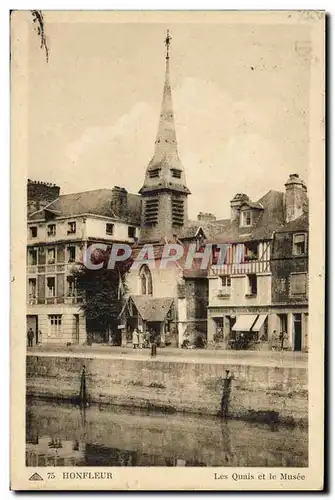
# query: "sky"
[240,98]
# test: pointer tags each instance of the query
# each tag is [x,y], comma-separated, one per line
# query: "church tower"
[164,192]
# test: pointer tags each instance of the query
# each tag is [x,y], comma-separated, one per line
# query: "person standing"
[140,339]
[30,336]
[135,339]
[226,391]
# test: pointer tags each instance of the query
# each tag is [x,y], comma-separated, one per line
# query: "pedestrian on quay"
[30,336]
[226,391]
[283,341]
[140,339]
[135,338]
[153,343]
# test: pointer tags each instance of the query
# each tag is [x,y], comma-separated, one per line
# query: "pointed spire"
[165,158]
[166,135]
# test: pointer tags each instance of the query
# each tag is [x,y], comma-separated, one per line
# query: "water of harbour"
[59,434]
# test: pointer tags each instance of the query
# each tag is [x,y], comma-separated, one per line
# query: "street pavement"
[254,358]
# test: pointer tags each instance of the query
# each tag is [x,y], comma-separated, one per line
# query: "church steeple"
[164,191]
[165,167]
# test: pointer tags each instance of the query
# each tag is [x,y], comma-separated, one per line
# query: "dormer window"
[154,173]
[246,218]
[176,173]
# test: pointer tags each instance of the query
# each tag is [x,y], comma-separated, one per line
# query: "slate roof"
[300,224]
[152,309]
[210,229]
[266,221]
[97,202]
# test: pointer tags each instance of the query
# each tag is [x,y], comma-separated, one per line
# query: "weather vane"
[167,43]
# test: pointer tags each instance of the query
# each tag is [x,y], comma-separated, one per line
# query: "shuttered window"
[298,282]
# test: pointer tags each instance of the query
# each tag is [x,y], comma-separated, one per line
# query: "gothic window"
[145,280]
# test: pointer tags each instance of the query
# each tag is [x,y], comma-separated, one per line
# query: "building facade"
[59,231]
[260,291]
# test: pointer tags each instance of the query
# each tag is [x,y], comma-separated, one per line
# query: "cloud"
[226,146]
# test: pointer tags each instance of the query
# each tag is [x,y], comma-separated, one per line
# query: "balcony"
[32,301]
[251,266]
[51,268]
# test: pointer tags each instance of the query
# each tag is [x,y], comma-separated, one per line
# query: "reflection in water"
[64,435]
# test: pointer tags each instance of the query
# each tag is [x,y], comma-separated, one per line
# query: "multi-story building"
[60,227]
[172,301]
[289,268]
[250,295]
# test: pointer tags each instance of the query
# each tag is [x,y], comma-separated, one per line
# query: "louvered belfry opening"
[151,211]
[164,191]
[177,211]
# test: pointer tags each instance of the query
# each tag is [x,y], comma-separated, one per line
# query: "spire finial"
[167,43]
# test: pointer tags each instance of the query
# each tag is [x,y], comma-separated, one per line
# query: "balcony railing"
[54,300]
[50,268]
[250,267]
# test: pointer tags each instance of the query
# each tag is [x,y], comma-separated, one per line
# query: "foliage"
[101,291]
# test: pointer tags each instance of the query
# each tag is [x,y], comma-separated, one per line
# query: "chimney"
[296,200]
[235,205]
[40,194]
[119,202]
[206,217]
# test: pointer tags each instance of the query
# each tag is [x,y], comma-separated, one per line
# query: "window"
[109,228]
[131,232]
[32,257]
[154,173]
[51,230]
[33,231]
[55,325]
[298,282]
[70,286]
[251,250]
[32,288]
[299,244]
[51,288]
[246,218]
[51,256]
[71,251]
[71,228]
[251,284]
[176,173]
[225,285]
[145,280]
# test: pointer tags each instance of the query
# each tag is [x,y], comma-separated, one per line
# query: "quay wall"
[258,392]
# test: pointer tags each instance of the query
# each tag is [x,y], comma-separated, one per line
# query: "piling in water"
[83,393]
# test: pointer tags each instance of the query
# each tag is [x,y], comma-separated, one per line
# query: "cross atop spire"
[167,43]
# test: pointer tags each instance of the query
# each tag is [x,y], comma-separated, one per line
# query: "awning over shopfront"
[259,323]
[244,322]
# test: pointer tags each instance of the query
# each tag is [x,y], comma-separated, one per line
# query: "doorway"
[32,322]
[76,329]
[297,331]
